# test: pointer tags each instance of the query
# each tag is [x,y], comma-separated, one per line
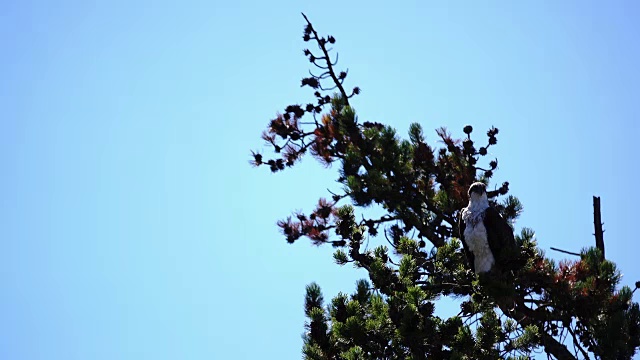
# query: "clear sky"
[133,227]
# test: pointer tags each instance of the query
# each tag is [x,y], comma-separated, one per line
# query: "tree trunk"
[597,223]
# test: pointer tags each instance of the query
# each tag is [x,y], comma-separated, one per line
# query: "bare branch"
[565,251]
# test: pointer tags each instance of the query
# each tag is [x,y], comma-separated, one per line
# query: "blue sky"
[132,225]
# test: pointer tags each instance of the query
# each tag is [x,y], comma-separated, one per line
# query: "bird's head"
[477,191]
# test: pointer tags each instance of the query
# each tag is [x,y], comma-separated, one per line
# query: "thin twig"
[576,344]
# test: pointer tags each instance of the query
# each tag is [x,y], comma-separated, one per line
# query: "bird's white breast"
[476,239]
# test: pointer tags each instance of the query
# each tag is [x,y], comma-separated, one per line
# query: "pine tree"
[573,309]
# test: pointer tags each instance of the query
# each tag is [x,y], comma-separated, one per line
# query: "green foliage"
[571,309]
[511,208]
[340,257]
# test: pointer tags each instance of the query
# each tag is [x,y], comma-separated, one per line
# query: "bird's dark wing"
[461,227]
[500,237]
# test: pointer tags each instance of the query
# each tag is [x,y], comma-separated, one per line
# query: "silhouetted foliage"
[569,310]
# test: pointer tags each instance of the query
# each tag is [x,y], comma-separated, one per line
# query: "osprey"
[486,236]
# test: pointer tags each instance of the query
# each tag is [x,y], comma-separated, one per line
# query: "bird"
[487,238]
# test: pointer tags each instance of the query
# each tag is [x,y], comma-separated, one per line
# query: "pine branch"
[525,317]
[321,45]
